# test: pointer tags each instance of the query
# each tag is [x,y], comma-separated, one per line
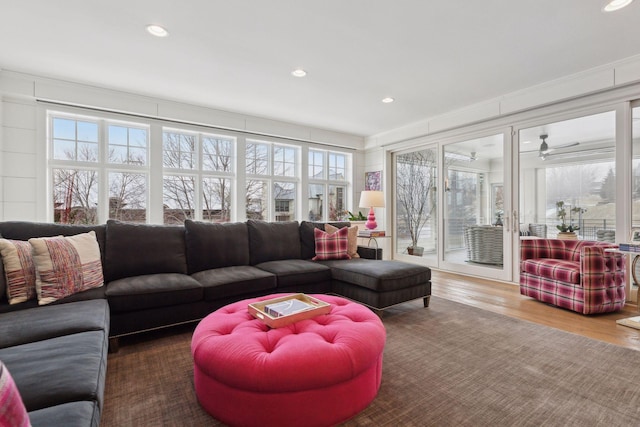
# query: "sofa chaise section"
[57,356]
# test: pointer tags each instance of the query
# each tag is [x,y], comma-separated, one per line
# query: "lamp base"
[371,223]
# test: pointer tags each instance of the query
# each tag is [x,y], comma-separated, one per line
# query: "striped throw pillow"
[66,265]
[12,410]
[331,246]
[19,270]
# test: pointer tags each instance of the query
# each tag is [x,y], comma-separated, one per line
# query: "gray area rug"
[446,365]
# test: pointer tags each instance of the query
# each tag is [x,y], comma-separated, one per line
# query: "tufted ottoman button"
[316,372]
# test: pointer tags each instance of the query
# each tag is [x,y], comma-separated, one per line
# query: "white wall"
[598,80]
[22,140]
[19,159]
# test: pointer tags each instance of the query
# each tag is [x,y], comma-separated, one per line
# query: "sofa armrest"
[594,260]
[603,278]
[369,253]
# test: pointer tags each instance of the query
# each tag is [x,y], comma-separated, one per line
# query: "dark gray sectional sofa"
[158,276]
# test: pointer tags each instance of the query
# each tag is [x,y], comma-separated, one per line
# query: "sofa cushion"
[272,241]
[352,238]
[50,321]
[293,272]
[331,246]
[72,414]
[88,295]
[66,265]
[554,269]
[379,276]
[138,249]
[212,245]
[59,370]
[234,281]
[20,270]
[152,290]
[307,238]
[12,410]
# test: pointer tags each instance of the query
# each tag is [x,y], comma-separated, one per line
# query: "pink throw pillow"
[12,410]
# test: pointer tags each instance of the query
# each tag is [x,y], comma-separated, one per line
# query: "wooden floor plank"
[505,298]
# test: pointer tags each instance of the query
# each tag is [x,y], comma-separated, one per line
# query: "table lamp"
[371,199]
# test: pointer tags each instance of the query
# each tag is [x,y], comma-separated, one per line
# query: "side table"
[374,239]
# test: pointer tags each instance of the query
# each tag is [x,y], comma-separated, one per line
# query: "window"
[75,140]
[77,169]
[102,166]
[127,145]
[272,179]
[128,196]
[75,196]
[327,185]
[570,161]
[257,158]
[179,150]
[184,178]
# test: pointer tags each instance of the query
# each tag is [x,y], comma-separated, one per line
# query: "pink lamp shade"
[371,199]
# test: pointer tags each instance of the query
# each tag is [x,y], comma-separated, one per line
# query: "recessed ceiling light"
[299,72]
[388,100]
[157,30]
[615,5]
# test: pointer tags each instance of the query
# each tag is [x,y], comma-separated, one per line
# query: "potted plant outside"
[567,231]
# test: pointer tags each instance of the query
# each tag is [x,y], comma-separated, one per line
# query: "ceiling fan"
[544,149]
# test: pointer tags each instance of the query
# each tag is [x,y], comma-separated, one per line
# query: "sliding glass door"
[567,178]
[416,214]
[465,204]
[476,232]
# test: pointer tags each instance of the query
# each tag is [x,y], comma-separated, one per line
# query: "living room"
[224,78]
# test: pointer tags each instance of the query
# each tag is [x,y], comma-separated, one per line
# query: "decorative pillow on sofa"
[19,270]
[12,410]
[66,265]
[352,238]
[331,246]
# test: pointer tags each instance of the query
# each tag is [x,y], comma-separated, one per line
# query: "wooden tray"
[317,307]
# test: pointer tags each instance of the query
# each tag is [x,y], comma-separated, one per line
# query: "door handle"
[515,220]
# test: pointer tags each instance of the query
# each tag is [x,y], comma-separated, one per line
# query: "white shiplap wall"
[18,156]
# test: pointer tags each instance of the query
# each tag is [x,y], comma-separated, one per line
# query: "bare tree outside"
[256,199]
[217,156]
[75,196]
[179,153]
[416,178]
[75,191]
[128,196]
[216,199]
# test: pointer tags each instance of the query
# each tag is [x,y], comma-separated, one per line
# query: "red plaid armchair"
[574,274]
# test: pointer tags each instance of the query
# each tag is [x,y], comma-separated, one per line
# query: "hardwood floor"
[505,298]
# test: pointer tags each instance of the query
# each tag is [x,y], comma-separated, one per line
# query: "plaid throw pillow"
[331,246]
[352,238]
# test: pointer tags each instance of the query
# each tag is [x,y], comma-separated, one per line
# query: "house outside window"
[327,186]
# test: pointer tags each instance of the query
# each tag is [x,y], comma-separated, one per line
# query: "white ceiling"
[431,56]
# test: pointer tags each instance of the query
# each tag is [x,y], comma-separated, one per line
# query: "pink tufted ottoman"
[315,372]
